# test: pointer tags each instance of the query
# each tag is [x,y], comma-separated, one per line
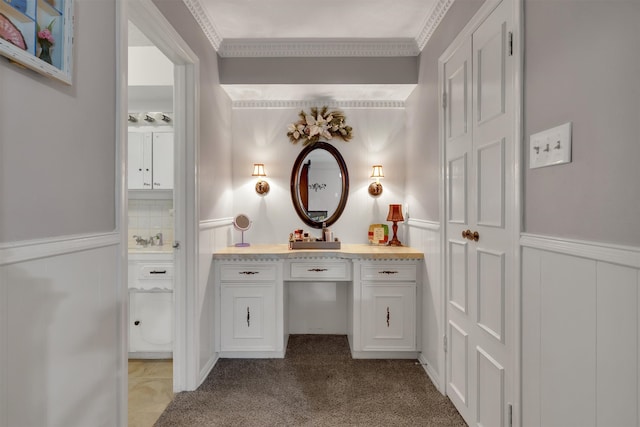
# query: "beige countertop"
[346,251]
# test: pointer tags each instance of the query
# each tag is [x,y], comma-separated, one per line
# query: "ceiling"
[305,28]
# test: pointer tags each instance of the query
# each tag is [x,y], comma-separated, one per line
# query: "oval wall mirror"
[242,223]
[319,184]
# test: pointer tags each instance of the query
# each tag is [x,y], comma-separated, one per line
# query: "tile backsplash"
[147,218]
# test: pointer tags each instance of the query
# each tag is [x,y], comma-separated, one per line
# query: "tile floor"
[150,390]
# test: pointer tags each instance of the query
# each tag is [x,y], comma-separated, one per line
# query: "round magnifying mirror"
[242,223]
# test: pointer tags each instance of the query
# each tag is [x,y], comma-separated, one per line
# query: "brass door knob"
[471,235]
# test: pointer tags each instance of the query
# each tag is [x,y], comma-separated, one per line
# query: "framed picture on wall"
[38,34]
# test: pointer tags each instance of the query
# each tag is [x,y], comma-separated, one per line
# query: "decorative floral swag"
[319,124]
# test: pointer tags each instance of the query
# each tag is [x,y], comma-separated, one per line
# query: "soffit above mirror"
[244,28]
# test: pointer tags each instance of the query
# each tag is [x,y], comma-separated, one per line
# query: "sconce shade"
[258,169]
[395,213]
[375,188]
[262,187]
[377,172]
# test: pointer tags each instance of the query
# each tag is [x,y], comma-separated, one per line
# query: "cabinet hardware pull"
[249,273]
[387,272]
[137,322]
[388,317]
[248,318]
[158,272]
[317,269]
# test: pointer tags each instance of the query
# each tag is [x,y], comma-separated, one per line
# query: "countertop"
[349,251]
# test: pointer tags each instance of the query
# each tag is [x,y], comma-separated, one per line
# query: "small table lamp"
[395,215]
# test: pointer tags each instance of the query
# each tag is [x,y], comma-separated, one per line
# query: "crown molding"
[284,104]
[274,48]
[201,16]
[431,23]
[240,48]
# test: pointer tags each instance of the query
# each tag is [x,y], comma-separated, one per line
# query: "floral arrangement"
[319,124]
[46,40]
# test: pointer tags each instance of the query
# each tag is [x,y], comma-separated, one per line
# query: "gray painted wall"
[215,193]
[582,64]
[423,158]
[57,142]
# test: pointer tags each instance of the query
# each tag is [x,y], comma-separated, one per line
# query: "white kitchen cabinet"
[151,321]
[150,161]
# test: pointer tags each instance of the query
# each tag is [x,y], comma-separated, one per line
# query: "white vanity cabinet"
[251,312]
[151,305]
[388,295]
[150,161]
[377,287]
[151,321]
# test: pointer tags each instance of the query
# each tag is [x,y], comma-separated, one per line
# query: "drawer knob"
[388,272]
[137,322]
[248,317]
[158,272]
[317,269]
[249,273]
[388,317]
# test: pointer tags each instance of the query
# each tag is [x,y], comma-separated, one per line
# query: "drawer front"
[248,272]
[320,270]
[389,272]
[156,272]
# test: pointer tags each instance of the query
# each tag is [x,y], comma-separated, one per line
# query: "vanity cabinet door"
[389,316]
[150,321]
[248,317]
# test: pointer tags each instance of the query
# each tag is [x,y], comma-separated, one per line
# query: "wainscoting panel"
[59,341]
[425,236]
[580,330]
[214,234]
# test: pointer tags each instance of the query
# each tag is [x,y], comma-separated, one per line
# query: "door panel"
[491,392]
[490,47]
[458,277]
[490,184]
[459,363]
[457,178]
[490,293]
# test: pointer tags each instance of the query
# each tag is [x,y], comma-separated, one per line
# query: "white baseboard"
[431,373]
[206,369]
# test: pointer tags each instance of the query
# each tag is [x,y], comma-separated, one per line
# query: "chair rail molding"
[14,252]
[616,254]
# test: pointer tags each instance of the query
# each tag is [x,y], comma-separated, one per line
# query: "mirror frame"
[295,180]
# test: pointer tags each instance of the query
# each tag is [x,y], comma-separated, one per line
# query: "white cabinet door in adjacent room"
[151,321]
[248,317]
[139,161]
[389,316]
[163,160]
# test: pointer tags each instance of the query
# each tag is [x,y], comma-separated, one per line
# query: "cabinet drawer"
[320,270]
[388,272]
[248,272]
[151,275]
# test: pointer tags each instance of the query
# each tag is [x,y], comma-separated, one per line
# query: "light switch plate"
[550,147]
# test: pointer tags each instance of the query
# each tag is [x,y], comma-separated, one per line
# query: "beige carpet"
[316,384]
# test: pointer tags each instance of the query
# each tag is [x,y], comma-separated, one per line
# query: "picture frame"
[20,23]
[378,234]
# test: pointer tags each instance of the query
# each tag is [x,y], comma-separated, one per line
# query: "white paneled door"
[479,179]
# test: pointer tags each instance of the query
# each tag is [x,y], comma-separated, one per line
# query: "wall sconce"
[262,187]
[395,215]
[375,188]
